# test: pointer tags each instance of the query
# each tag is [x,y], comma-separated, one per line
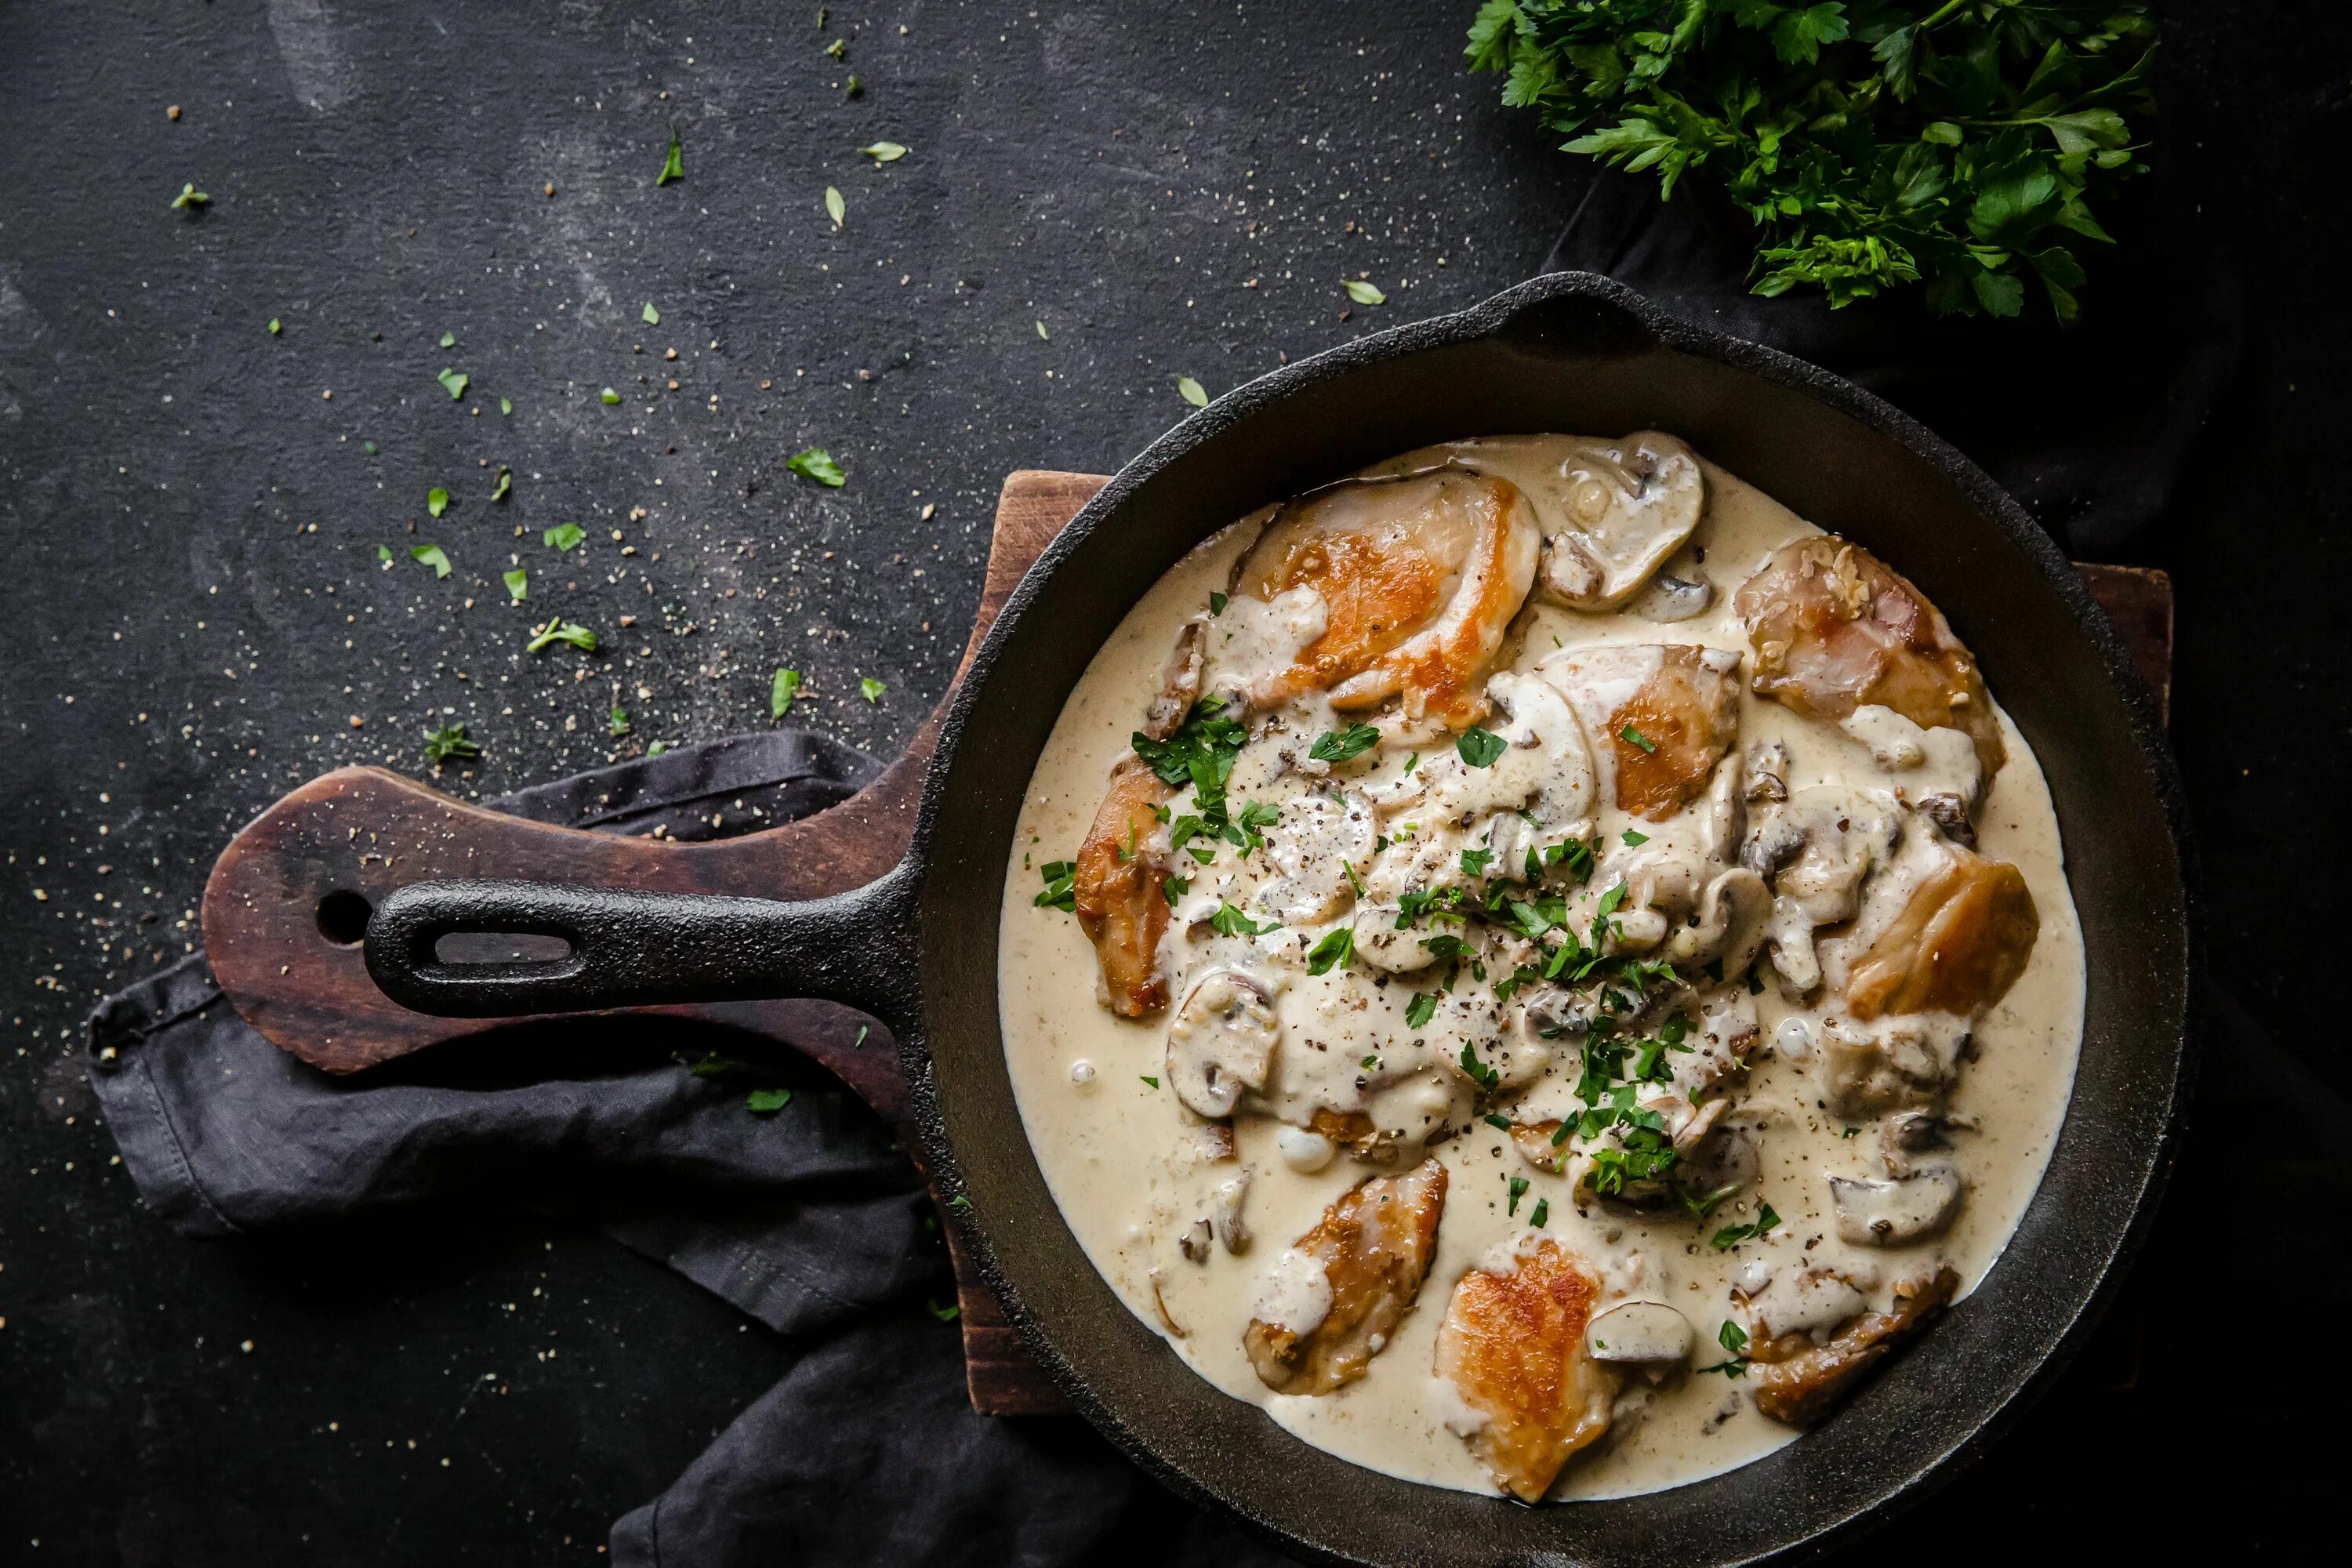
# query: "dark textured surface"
[378,170]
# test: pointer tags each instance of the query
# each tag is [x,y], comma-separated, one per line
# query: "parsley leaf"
[564,536]
[1061,887]
[274,328]
[834,208]
[1633,737]
[559,630]
[1480,1073]
[1635,840]
[1519,1191]
[947,1314]
[436,500]
[781,692]
[612,398]
[1339,746]
[817,463]
[1148,1078]
[1480,748]
[1731,1236]
[1541,1212]
[504,484]
[1336,950]
[433,556]
[455,382]
[1231,921]
[871,689]
[1476,861]
[1732,1338]
[1364,293]
[517,584]
[674,166]
[619,721]
[189,199]
[889,153]
[1421,1009]
[442,745]
[1217,603]
[767,1102]
[1192,392]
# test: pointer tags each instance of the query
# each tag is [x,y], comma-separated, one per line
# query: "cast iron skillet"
[1569,352]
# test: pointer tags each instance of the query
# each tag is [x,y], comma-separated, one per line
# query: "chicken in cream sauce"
[1538,967]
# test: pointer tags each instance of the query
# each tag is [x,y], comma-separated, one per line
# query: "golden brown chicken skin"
[1374,1243]
[1664,736]
[1958,944]
[1419,578]
[1120,887]
[1835,628]
[1798,1381]
[1513,1345]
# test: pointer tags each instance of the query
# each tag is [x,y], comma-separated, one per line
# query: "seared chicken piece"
[1120,884]
[1419,578]
[1513,1345]
[1834,629]
[1179,683]
[1797,1380]
[1337,1295]
[1663,715]
[1956,944]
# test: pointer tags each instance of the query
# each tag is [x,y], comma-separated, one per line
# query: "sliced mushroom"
[1648,1332]
[1514,1346]
[1797,1380]
[1118,890]
[1336,1297]
[1195,1243]
[1387,942]
[1613,511]
[1802,1303]
[1222,1040]
[1226,1213]
[1662,716]
[1545,765]
[1896,1213]
[1732,914]
[1669,599]
[1768,771]
[1834,629]
[1817,848]
[1905,1133]
[1311,851]
[1419,576]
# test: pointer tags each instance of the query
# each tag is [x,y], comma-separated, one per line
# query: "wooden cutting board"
[280,907]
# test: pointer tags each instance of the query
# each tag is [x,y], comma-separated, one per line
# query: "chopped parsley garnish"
[1148,1078]
[557,631]
[1231,921]
[433,556]
[1369,1063]
[564,536]
[274,328]
[1061,887]
[673,166]
[961,1204]
[1217,603]
[1175,887]
[1365,293]
[1421,1009]
[384,555]
[889,153]
[1476,861]
[504,484]
[189,199]
[1541,1213]
[1635,840]
[658,748]
[506,406]
[1192,392]
[618,722]
[517,584]
[651,317]
[449,340]
[767,1102]
[1519,1191]
[1732,1338]
[436,500]
[834,208]
[1480,1073]
[455,382]
[1496,1121]
[947,1314]
[612,398]
[1633,737]
[781,692]
[1341,745]
[1257,816]
[871,689]
[1731,1236]
[1336,950]
[817,463]
[1200,754]
[1480,748]
[442,745]
[1411,763]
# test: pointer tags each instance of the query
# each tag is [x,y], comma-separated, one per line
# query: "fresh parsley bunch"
[1873,142]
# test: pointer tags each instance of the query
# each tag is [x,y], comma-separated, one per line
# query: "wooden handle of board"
[278,911]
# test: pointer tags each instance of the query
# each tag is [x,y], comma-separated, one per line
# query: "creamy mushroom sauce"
[1197,1245]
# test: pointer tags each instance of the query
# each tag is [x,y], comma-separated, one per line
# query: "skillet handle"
[632,949]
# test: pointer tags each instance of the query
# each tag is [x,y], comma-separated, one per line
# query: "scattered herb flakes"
[1061,887]
[449,340]
[884,151]
[436,500]
[369,447]
[431,556]
[947,1314]
[1540,1214]
[618,722]
[838,49]
[1732,1338]
[651,317]
[1043,333]
[674,166]
[384,555]
[1633,737]
[817,463]
[1519,1191]
[853,88]
[503,485]
[1148,1078]
[834,208]
[274,328]
[1192,392]
[1364,293]
[445,746]
[517,584]
[1231,921]
[456,381]
[565,535]
[1635,840]
[1336,950]
[1339,746]
[189,199]
[565,631]
[1480,748]
[506,406]
[1217,603]
[961,1204]
[1480,1073]
[785,686]
[658,748]
[612,398]
[871,689]
[1421,1010]
[1731,1236]
[767,1102]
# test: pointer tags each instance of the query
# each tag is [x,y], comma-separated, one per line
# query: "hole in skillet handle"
[485,949]
[1576,315]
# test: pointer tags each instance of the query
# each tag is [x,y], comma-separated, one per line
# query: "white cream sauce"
[1137,1182]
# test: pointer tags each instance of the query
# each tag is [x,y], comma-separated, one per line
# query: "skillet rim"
[1492,318]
